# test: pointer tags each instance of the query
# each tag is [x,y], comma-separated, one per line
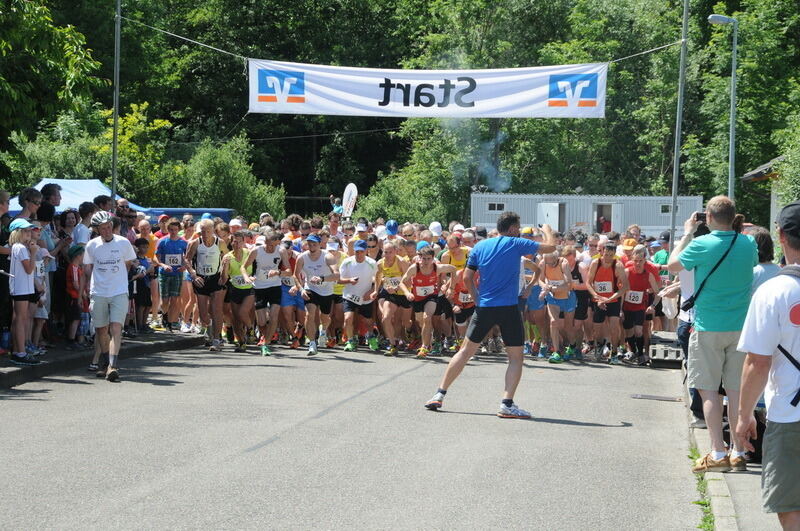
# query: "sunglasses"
[372,246]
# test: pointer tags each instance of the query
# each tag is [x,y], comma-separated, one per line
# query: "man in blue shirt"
[497,261]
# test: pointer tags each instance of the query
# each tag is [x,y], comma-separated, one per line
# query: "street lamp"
[723,20]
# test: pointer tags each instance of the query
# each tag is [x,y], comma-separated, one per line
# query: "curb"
[719,496]
[12,376]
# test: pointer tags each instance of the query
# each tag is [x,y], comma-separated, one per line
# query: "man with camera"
[723,263]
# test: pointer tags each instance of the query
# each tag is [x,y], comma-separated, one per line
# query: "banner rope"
[646,51]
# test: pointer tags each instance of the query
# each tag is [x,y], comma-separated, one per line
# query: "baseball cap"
[436,228]
[481,233]
[664,237]
[74,250]
[380,232]
[261,240]
[789,219]
[263,215]
[458,228]
[360,245]
[313,238]
[361,228]
[332,245]
[628,244]
[653,245]
[163,217]
[526,231]
[392,227]
[235,222]
[20,223]
[421,245]
[206,215]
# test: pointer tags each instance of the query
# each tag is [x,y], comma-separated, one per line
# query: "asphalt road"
[193,439]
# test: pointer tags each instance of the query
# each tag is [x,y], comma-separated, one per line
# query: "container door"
[616,218]
[547,213]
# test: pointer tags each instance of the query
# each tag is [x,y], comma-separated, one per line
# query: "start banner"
[568,91]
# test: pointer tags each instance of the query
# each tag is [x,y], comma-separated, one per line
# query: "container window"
[497,206]
[666,209]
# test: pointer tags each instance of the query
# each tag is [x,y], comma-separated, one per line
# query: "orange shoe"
[262,341]
[422,352]
[707,464]
[331,342]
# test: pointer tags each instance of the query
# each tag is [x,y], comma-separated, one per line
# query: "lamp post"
[723,20]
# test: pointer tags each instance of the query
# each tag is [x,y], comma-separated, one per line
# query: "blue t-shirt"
[498,262]
[145,263]
[722,305]
[170,252]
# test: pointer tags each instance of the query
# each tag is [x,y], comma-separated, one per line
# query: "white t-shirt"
[687,289]
[110,273]
[365,271]
[80,234]
[762,273]
[22,283]
[774,318]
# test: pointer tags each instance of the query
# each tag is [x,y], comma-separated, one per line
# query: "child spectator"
[22,289]
[140,284]
[40,282]
[75,288]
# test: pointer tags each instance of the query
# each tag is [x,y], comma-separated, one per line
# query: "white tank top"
[317,268]
[266,262]
[208,259]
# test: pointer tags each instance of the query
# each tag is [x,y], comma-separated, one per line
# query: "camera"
[700,217]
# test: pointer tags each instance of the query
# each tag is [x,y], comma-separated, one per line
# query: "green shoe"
[373,344]
[265,351]
[569,353]
[555,358]
[437,348]
[350,346]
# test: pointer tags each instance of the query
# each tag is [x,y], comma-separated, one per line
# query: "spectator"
[140,284]
[104,203]
[720,310]
[336,205]
[23,252]
[51,194]
[162,226]
[29,199]
[74,289]
[81,232]
[765,269]
[771,338]
[5,264]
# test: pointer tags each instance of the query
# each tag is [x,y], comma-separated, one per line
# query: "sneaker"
[331,343]
[697,423]
[569,352]
[621,350]
[615,360]
[436,349]
[216,345]
[392,351]
[24,359]
[312,348]
[542,352]
[578,355]
[351,346]
[265,350]
[512,412]
[261,342]
[455,346]
[93,367]
[422,353]
[605,353]
[555,358]
[644,359]
[436,402]
[323,337]
[497,346]
[526,348]
[630,357]
[738,464]
[112,375]
[373,343]
[707,464]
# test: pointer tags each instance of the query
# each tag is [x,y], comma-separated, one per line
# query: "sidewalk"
[59,360]
[735,497]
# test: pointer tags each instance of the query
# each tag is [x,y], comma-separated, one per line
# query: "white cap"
[436,228]
[260,240]
[459,227]
[263,214]
[332,245]
[380,232]
[361,228]
[235,222]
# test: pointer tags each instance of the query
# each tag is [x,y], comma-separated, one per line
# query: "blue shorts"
[292,300]
[534,303]
[567,305]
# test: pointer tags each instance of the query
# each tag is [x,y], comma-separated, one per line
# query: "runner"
[607,284]
[463,306]
[204,259]
[637,304]
[170,258]
[293,306]
[388,276]
[357,273]
[582,326]
[240,292]
[334,248]
[561,302]
[317,271]
[270,262]
[497,260]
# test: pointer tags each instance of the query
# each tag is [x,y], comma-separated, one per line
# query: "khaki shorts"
[780,489]
[713,358]
[106,310]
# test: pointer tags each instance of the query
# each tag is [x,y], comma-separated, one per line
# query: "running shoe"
[392,351]
[373,343]
[448,342]
[630,357]
[436,349]
[644,360]
[614,360]
[216,345]
[261,342]
[569,353]
[312,348]
[265,350]
[621,350]
[351,346]
[414,344]
[112,375]
[422,353]
[93,367]
[331,342]
[295,343]
[455,346]
[512,412]
[526,348]
[240,347]
[606,352]
[323,337]
[578,355]
[495,345]
[23,359]
[436,402]
[543,352]
[555,357]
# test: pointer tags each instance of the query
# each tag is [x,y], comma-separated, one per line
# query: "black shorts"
[582,308]
[337,299]
[444,308]
[238,295]
[30,297]
[464,315]
[73,310]
[398,299]
[268,297]
[633,318]
[659,308]
[323,302]
[507,318]
[211,284]
[419,306]
[142,297]
[612,310]
[364,310]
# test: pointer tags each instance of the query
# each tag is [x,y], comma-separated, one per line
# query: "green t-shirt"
[722,305]
[661,258]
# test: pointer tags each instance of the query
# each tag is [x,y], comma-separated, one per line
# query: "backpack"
[792,271]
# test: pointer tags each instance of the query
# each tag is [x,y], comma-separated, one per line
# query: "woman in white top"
[23,251]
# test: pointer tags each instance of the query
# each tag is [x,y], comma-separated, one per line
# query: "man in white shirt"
[106,262]
[771,338]
[81,232]
[356,273]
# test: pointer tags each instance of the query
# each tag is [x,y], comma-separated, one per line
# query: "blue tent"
[73,193]
[225,213]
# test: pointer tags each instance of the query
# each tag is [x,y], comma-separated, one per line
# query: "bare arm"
[755,374]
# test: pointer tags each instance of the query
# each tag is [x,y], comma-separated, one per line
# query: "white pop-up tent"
[73,193]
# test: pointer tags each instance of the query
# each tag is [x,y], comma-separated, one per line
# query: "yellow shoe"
[707,464]
[422,353]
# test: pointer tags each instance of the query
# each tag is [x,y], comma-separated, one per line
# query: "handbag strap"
[792,271]
[703,283]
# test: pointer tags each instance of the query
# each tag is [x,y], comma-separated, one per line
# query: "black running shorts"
[633,318]
[267,297]
[364,310]
[582,309]
[507,318]
[398,299]
[612,310]
[419,306]
[238,295]
[323,302]
[210,285]
[464,315]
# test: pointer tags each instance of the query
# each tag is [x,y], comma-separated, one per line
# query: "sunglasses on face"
[37,203]
[372,246]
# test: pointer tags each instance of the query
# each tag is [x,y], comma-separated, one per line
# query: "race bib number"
[238,280]
[287,281]
[464,298]
[315,283]
[40,268]
[356,299]
[555,283]
[206,270]
[391,283]
[173,260]
[423,291]
[634,297]
[262,274]
[603,287]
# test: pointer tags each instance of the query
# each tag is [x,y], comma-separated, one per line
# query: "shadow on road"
[23,394]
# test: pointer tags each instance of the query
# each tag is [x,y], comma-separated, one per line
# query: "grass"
[707,520]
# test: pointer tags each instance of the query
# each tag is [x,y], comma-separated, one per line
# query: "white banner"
[568,91]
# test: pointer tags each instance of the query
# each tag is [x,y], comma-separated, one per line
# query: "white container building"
[572,212]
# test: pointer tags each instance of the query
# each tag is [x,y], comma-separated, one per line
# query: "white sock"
[716,456]
[737,453]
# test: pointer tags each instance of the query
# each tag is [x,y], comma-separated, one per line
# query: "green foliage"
[788,185]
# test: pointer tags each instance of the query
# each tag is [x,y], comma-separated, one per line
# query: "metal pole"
[676,157]
[732,134]
[117,31]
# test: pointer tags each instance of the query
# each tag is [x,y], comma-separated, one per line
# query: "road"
[194,439]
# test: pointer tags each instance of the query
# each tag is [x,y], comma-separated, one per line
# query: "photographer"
[723,263]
